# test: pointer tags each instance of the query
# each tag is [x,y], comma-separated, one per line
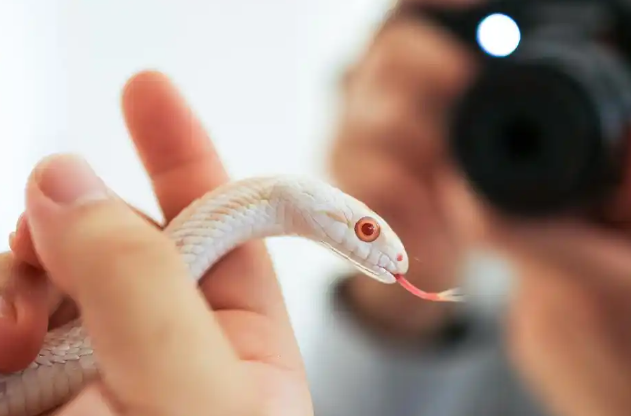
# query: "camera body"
[543,129]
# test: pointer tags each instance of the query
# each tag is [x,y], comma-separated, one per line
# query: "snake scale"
[209,228]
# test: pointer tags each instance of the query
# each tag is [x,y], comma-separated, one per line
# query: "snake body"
[209,228]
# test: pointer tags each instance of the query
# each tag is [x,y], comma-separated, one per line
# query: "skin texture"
[247,340]
[568,329]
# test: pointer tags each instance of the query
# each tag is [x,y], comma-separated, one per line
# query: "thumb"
[159,349]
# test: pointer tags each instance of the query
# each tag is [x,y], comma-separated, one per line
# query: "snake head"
[362,237]
[343,224]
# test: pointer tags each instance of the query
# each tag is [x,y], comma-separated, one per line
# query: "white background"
[261,75]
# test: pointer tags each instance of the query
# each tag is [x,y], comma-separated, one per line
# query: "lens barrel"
[545,130]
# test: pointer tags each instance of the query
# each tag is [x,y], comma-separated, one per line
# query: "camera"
[542,129]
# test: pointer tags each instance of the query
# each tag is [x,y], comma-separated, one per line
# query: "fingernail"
[11,240]
[68,179]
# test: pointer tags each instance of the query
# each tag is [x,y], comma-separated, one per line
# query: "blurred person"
[562,348]
[382,351]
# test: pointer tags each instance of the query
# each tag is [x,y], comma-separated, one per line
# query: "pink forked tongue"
[431,296]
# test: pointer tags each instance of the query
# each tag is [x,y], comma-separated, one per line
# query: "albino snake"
[204,232]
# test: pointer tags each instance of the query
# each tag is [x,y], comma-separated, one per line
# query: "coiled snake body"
[204,232]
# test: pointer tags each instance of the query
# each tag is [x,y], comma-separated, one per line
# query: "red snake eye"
[367,229]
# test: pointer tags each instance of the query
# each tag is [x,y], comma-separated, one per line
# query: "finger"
[398,95]
[138,304]
[23,313]
[563,341]
[175,150]
[183,165]
[601,254]
[21,243]
[411,53]
[60,308]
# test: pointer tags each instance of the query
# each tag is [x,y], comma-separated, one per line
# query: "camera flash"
[498,35]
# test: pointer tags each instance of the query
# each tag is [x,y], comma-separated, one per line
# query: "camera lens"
[543,131]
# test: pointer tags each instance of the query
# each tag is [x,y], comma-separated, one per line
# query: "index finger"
[399,93]
[172,144]
[183,165]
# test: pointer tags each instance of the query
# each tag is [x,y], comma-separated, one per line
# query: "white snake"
[204,232]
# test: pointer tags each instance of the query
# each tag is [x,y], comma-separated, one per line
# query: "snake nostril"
[399,257]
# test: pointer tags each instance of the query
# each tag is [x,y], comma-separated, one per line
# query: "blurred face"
[565,326]
[390,148]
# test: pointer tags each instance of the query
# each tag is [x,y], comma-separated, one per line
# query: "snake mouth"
[374,271]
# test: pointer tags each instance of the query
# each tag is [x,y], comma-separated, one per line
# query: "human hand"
[567,330]
[161,349]
[389,151]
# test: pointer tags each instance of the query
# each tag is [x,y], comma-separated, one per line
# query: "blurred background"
[266,94]
[264,78]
